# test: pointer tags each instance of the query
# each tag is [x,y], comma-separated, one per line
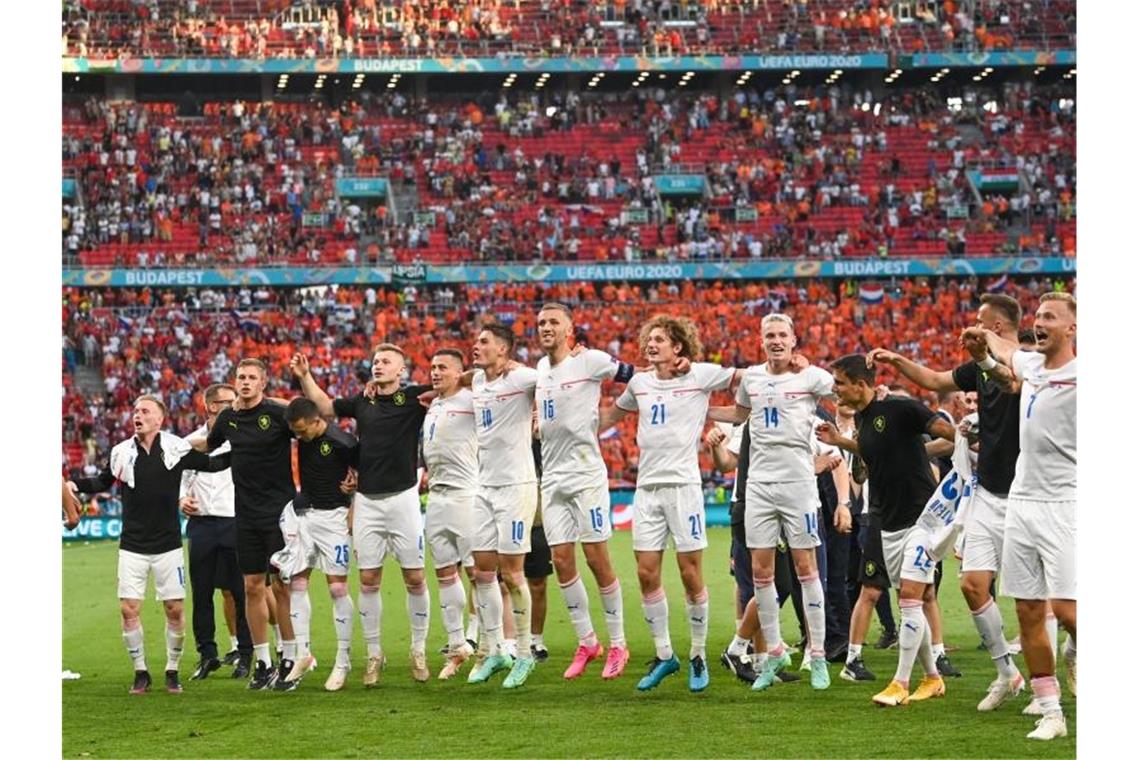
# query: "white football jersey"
[451,452]
[1047,466]
[782,422]
[671,418]
[567,396]
[502,426]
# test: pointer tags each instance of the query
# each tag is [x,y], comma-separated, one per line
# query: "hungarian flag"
[998,179]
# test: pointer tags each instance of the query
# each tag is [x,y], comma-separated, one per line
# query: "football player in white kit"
[999,420]
[669,502]
[451,456]
[1039,557]
[506,499]
[575,485]
[779,404]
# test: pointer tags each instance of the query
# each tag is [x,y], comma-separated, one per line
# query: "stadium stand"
[108,29]
[176,341]
[810,173]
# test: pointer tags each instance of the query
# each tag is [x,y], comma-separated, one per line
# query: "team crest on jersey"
[880,423]
[869,570]
[263,422]
[399,398]
[326,448]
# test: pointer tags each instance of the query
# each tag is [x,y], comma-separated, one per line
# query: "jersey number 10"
[486,418]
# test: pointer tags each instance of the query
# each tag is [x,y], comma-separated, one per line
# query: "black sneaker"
[173,685]
[741,667]
[142,682]
[837,653]
[783,675]
[540,653]
[205,667]
[241,670]
[856,671]
[283,670]
[262,677]
[946,669]
[231,657]
[889,640]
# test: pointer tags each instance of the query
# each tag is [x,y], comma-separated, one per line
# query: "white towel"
[123,456]
[299,548]
[947,509]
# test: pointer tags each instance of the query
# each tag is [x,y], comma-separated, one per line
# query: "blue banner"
[597,272]
[996,59]
[490,65]
[680,184]
[362,187]
[68,188]
[101,528]
[520,65]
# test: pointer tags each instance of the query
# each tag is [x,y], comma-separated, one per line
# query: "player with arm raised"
[1039,556]
[450,453]
[575,485]
[890,441]
[998,419]
[150,465]
[782,494]
[386,509]
[671,411]
[506,500]
[261,447]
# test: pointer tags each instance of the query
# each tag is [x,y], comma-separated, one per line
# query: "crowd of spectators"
[823,172]
[176,342]
[371,28]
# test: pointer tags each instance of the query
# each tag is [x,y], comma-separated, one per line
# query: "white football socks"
[520,607]
[697,610]
[342,622]
[452,601]
[300,613]
[768,612]
[615,618]
[656,608]
[578,606]
[489,605]
[370,610]
[911,630]
[133,639]
[988,621]
[174,640]
[814,612]
[419,613]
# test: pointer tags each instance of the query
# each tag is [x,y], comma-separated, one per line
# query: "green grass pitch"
[548,717]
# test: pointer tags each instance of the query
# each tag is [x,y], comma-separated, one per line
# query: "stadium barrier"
[104,528]
[596,272]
